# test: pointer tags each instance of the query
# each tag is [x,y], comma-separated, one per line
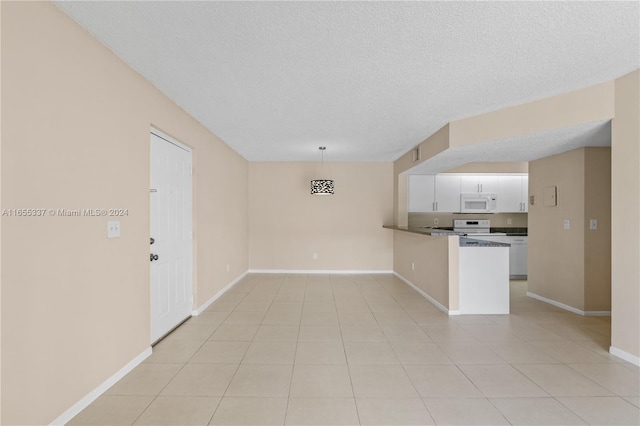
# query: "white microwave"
[478,202]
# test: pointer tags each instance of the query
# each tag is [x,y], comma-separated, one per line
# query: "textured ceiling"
[369,80]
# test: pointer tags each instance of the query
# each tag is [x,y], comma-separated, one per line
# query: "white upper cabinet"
[434,193]
[513,191]
[510,194]
[447,196]
[525,193]
[479,183]
[421,193]
[441,193]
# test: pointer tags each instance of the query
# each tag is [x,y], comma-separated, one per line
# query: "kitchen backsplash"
[500,220]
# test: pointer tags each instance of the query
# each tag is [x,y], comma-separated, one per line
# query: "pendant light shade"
[322,186]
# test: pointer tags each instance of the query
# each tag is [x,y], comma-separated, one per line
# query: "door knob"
[153,257]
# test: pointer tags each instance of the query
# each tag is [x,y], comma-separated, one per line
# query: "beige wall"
[597,243]
[430,257]
[75,134]
[287,224]
[625,224]
[401,200]
[571,266]
[593,103]
[1,206]
[556,256]
[431,146]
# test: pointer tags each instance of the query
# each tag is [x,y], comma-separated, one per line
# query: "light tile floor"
[369,350]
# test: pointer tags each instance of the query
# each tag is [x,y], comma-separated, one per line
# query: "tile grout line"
[237,367]
[295,354]
[344,350]
[155,397]
[402,365]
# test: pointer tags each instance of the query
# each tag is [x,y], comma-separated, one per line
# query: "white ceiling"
[369,80]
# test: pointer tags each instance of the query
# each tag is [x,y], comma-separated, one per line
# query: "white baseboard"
[317,271]
[624,355]
[94,394]
[216,296]
[426,296]
[569,308]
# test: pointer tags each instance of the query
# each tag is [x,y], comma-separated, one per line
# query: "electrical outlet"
[509,221]
[593,224]
[567,224]
[315,256]
[113,229]
[413,266]
[228,267]
[435,221]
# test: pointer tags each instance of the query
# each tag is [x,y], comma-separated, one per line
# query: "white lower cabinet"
[518,257]
[517,252]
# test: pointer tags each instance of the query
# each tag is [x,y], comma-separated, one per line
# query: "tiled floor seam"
[404,369]
[344,349]
[234,373]
[572,411]
[295,354]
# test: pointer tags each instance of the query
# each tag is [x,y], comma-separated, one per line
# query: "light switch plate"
[567,224]
[113,229]
[593,224]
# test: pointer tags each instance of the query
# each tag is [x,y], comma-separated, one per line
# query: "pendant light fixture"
[322,186]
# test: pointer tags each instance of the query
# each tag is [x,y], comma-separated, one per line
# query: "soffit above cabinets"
[368,80]
[519,148]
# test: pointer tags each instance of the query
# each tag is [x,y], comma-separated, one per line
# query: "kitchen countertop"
[440,232]
[423,230]
[515,232]
[471,242]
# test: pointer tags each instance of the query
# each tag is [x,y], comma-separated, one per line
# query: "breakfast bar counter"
[459,275]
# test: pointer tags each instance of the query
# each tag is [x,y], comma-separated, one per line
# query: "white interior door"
[171,233]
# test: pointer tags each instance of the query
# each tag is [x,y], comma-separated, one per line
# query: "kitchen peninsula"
[459,275]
